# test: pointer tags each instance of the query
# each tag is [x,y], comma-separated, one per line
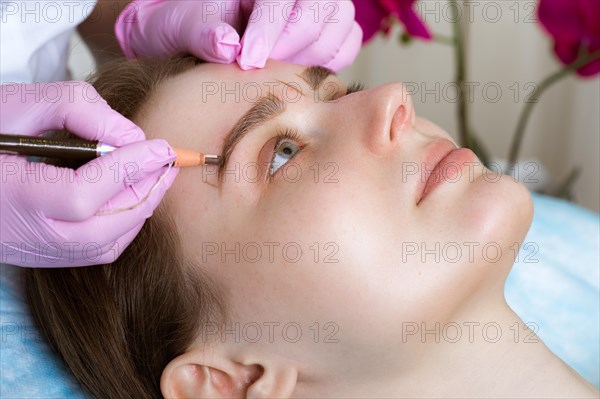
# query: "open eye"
[284,151]
[285,147]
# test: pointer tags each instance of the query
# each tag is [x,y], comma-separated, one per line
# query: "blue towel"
[28,367]
[559,293]
[555,282]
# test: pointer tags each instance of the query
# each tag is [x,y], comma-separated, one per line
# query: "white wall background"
[507,50]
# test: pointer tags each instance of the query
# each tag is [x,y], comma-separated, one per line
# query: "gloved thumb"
[215,42]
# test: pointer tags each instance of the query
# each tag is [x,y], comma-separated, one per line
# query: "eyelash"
[293,135]
[287,134]
[354,87]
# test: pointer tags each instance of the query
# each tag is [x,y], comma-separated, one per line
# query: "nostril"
[398,122]
[390,120]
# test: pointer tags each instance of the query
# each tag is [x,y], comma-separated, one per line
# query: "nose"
[390,117]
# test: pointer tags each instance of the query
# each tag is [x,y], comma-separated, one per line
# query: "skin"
[374,295]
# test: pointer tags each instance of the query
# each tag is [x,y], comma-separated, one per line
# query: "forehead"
[197,108]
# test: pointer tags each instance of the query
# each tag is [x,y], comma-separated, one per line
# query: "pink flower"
[372,16]
[574,24]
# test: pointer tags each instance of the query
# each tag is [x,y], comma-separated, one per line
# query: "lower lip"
[449,169]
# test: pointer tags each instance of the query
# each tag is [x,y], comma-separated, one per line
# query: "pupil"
[287,151]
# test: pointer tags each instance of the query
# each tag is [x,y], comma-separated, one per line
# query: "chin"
[482,209]
[492,215]
[497,211]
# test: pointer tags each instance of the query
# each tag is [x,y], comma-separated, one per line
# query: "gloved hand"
[48,213]
[305,32]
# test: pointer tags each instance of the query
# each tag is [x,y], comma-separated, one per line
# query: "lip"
[434,153]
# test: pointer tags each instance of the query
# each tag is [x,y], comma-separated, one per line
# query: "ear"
[190,376]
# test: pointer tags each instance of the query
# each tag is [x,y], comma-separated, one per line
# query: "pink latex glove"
[305,32]
[48,213]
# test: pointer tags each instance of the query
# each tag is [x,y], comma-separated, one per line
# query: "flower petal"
[589,11]
[567,51]
[369,15]
[414,25]
[561,19]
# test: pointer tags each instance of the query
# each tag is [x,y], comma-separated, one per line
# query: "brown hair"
[118,325]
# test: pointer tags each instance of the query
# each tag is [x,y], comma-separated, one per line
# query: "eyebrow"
[266,108]
[315,76]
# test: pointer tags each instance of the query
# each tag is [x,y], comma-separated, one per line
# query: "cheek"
[326,216]
[334,261]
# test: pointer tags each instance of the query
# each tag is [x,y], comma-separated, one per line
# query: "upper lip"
[433,154]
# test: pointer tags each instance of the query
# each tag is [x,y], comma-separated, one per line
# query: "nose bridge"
[391,117]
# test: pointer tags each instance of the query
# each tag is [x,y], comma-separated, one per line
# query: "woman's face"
[337,244]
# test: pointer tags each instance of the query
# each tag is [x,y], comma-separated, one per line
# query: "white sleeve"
[34,38]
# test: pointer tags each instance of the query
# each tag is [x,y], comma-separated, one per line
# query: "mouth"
[430,175]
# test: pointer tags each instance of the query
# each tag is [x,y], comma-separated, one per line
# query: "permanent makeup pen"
[84,150]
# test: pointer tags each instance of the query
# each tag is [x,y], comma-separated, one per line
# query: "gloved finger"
[85,113]
[262,32]
[73,105]
[86,253]
[105,228]
[142,192]
[303,28]
[78,194]
[110,252]
[216,42]
[120,244]
[331,40]
[349,50]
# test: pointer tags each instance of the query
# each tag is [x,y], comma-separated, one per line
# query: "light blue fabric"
[28,367]
[555,282]
[560,294]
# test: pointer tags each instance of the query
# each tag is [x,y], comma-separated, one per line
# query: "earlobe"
[186,377]
[274,383]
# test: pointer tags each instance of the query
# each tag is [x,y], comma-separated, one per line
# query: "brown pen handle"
[68,149]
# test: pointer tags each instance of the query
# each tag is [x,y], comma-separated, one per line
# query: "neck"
[484,350]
